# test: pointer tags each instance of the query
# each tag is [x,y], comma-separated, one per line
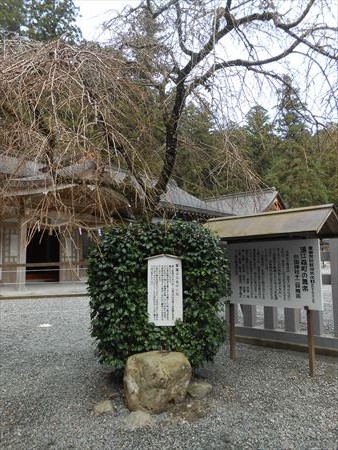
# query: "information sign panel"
[165,296]
[276,273]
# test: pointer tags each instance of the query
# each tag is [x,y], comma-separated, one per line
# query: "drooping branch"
[317,48]
[122,106]
[73,106]
[189,77]
[112,145]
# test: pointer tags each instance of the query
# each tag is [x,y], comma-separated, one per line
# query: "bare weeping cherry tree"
[97,129]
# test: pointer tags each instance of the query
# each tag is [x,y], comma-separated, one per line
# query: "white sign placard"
[165,293]
[276,273]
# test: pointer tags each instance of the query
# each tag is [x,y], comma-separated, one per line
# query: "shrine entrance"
[42,251]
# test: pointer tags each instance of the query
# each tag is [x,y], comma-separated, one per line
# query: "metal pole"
[311,342]
[232,338]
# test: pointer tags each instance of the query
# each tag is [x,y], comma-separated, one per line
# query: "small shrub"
[118,290]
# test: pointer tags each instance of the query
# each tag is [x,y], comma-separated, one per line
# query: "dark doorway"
[43,248]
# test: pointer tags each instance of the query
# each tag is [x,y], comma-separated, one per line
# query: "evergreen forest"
[284,152]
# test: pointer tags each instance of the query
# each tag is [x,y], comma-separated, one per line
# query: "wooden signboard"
[283,274]
[276,273]
[165,293]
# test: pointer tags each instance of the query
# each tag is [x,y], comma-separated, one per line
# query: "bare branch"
[232,23]
[180,32]
[317,48]
[120,106]
[164,8]
[240,63]
[288,26]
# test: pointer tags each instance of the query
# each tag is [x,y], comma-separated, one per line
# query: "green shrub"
[118,290]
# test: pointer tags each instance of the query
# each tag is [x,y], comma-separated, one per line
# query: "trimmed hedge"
[118,290]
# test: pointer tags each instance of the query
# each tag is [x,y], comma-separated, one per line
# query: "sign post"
[232,337]
[311,342]
[283,273]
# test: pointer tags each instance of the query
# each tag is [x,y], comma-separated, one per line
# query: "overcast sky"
[94,12]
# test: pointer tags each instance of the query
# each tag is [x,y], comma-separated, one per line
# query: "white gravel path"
[50,381]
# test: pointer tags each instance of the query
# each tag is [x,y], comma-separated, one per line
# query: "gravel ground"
[50,382]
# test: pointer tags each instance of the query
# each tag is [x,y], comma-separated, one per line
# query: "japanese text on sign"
[278,273]
[165,299]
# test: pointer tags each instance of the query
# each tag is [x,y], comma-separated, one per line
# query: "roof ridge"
[242,194]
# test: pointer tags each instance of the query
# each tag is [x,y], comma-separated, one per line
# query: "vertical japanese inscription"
[165,299]
[278,273]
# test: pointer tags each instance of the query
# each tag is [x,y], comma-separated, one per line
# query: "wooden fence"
[286,327]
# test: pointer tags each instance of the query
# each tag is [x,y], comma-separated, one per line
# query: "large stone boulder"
[155,379]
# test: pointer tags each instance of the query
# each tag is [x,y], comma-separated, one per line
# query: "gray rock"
[138,419]
[199,390]
[153,380]
[106,406]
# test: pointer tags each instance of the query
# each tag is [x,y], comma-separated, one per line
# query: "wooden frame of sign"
[283,273]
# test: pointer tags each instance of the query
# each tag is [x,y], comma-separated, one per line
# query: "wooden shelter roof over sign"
[314,221]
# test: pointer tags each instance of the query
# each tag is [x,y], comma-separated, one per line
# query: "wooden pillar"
[292,319]
[249,316]
[232,338]
[334,281]
[1,247]
[70,257]
[311,342]
[270,317]
[22,246]
[227,313]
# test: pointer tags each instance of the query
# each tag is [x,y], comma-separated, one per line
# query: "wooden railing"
[287,327]
[18,275]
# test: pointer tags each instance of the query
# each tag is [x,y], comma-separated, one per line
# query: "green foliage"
[42,20]
[118,290]
[298,181]
[326,151]
[260,141]
[200,143]
[295,169]
[12,15]
[51,19]
[206,150]
[302,165]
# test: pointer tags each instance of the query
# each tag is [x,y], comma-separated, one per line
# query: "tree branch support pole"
[311,342]
[232,338]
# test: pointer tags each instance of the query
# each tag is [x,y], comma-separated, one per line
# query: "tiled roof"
[10,165]
[29,178]
[245,203]
[177,197]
